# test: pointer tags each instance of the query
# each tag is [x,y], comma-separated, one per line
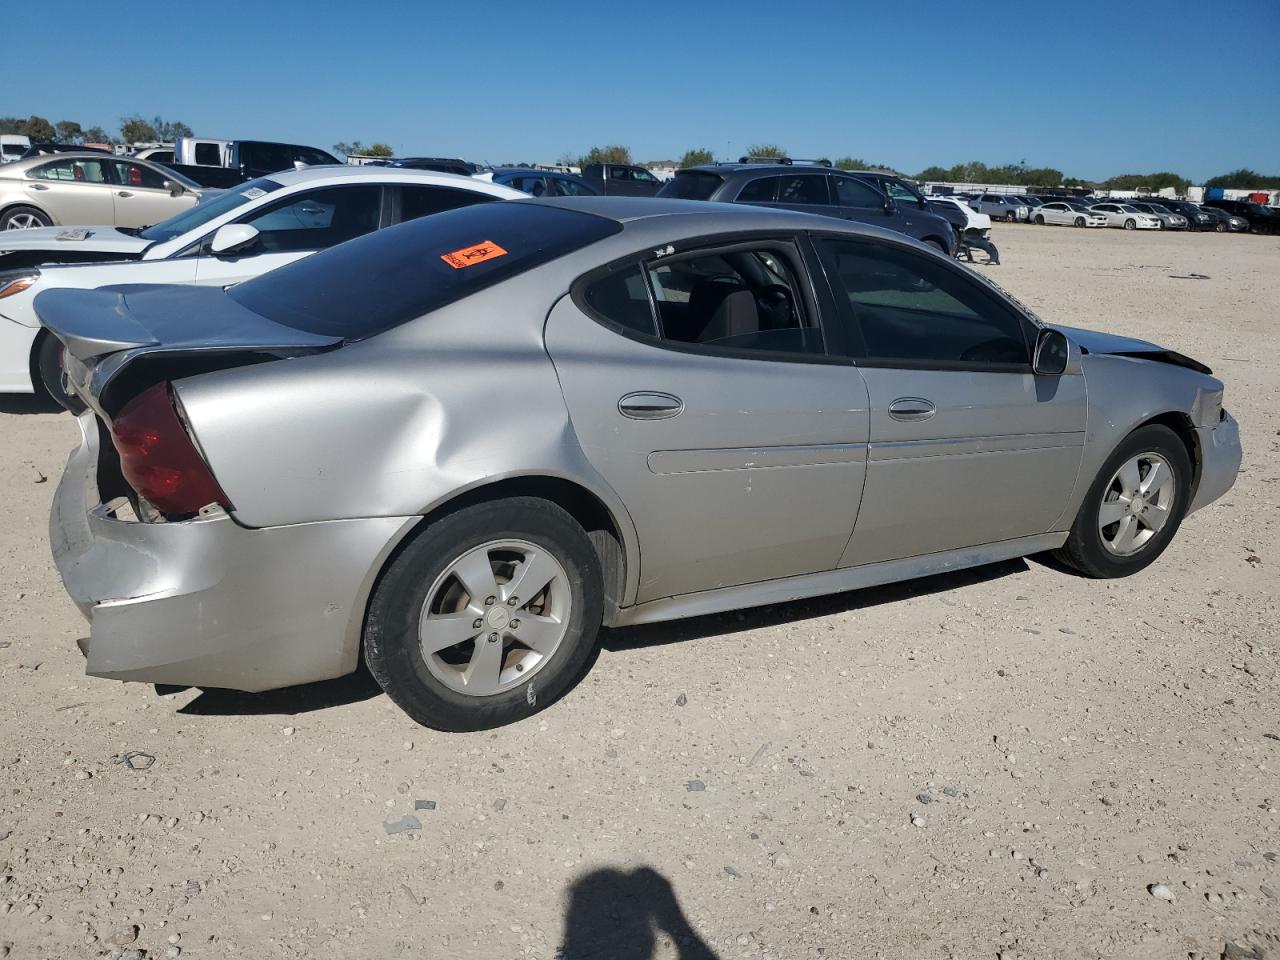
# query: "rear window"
[691,185]
[379,281]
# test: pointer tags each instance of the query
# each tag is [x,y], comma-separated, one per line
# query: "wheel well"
[33,361]
[580,503]
[1181,424]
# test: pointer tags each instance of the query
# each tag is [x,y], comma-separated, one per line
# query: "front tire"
[1220,228]
[1079,221]
[24,218]
[523,570]
[1130,225]
[1011,217]
[1040,219]
[1133,508]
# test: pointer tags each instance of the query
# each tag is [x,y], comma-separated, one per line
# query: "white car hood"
[87,239]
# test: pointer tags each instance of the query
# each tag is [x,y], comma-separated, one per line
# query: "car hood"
[1093,341]
[87,239]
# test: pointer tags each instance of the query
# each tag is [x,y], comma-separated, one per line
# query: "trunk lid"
[160,329]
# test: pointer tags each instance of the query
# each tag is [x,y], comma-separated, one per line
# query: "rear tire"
[937,245]
[22,218]
[1098,550]
[47,376]
[422,595]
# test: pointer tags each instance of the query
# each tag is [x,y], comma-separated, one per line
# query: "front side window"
[74,171]
[137,176]
[318,218]
[855,193]
[619,173]
[642,175]
[215,206]
[806,188]
[745,299]
[691,185]
[898,191]
[564,187]
[914,311]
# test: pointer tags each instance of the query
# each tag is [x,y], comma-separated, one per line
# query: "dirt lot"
[735,786]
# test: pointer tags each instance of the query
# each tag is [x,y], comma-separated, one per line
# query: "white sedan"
[242,233]
[1070,213]
[1126,217]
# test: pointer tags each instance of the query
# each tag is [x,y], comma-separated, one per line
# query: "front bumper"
[207,602]
[1220,454]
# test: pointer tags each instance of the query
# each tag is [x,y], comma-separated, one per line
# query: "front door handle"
[911,408]
[650,406]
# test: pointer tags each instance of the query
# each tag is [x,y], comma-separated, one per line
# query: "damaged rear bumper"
[207,602]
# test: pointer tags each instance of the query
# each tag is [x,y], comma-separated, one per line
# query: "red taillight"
[158,458]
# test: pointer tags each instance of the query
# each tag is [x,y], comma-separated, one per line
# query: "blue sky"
[904,84]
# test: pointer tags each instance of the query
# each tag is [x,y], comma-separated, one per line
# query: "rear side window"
[418,202]
[692,185]
[392,276]
[78,171]
[808,188]
[623,298]
[764,190]
[855,193]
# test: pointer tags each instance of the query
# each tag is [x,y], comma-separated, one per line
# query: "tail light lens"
[158,457]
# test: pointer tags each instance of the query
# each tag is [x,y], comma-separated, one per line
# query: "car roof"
[695,217]
[344,173]
[723,168]
[530,171]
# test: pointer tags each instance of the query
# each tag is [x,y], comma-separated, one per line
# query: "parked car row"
[1142,213]
[701,407]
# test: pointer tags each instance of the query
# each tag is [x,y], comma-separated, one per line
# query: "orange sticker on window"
[476,253]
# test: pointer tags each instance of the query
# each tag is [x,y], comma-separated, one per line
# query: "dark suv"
[1261,219]
[811,188]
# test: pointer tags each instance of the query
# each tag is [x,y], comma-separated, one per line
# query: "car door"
[967,445]
[293,227]
[74,192]
[699,386]
[140,197]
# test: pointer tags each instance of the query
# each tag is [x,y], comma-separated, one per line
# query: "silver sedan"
[454,448]
[91,189]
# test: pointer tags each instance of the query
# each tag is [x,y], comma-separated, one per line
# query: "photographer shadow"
[618,915]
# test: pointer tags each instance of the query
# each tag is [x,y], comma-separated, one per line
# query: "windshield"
[365,286]
[691,185]
[215,206]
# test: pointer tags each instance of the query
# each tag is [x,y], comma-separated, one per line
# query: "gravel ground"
[1005,762]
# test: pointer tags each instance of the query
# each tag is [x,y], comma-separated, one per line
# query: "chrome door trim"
[964,446]
[752,458]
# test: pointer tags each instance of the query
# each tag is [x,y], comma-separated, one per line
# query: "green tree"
[96,135]
[11,125]
[381,150]
[68,131]
[1244,179]
[851,163]
[697,157]
[1150,182]
[936,174]
[766,150]
[136,130]
[37,128]
[170,130]
[613,153]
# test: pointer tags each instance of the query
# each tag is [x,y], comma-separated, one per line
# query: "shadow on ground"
[619,915]
[28,403]
[361,686]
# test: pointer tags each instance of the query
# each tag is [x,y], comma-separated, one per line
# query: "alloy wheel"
[1136,504]
[494,617]
[23,221]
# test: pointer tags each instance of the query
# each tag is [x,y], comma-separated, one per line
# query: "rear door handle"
[650,406]
[911,408]
[37,186]
[124,193]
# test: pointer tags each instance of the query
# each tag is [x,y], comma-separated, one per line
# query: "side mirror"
[174,187]
[889,205]
[233,237]
[1052,352]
